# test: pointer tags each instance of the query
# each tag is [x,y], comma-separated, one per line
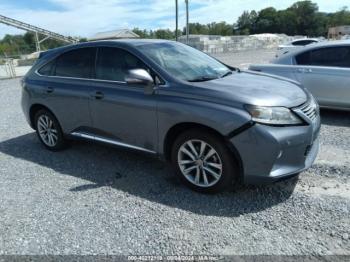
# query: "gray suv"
[216,124]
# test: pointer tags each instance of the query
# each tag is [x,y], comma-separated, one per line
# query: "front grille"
[309,109]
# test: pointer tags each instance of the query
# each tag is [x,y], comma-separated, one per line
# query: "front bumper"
[270,153]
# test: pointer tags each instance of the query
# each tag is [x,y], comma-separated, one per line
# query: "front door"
[121,112]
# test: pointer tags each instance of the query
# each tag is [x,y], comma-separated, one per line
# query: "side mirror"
[141,77]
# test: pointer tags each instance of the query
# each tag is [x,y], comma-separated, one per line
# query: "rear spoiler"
[42,54]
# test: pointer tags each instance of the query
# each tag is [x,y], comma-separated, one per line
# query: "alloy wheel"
[199,163]
[47,131]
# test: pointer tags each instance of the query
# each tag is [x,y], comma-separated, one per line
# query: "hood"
[255,89]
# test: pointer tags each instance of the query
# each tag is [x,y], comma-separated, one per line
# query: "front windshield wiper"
[226,74]
[203,79]
[236,69]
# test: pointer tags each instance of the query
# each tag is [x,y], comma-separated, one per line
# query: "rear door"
[326,73]
[121,112]
[66,89]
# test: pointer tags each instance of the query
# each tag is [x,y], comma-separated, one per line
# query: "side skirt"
[111,142]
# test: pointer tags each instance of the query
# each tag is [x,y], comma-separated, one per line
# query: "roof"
[131,42]
[311,47]
[328,44]
[115,34]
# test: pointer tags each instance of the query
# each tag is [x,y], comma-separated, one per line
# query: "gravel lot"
[20,71]
[93,199]
[243,59]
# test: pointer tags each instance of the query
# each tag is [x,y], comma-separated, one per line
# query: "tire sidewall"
[229,171]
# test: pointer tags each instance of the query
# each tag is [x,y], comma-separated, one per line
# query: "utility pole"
[177,19]
[187,22]
[37,42]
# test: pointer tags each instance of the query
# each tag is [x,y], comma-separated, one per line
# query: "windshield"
[185,62]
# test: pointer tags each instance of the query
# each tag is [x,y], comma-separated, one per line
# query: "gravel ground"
[93,199]
[243,59]
[20,71]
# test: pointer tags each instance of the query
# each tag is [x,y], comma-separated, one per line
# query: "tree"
[321,27]
[83,40]
[306,17]
[267,21]
[245,22]
[142,33]
[29,39]
[164,34]
[197,29]
[301,18]
[214,28]
[341,17]
[221,28]
[287,22]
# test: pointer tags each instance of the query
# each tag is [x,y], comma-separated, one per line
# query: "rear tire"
[203,162]
[49,130]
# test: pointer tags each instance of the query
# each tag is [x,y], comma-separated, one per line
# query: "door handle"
[49,90]
[304,70]
[99,95]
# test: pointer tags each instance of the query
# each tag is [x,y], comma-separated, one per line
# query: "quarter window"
[77,63]
[331,56]
[46,70]
[114,64]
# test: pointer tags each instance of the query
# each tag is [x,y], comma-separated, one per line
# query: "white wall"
[225,44]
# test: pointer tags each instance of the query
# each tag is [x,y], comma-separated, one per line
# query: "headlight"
[273,115]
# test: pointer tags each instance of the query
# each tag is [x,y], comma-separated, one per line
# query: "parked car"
[294,45]
[215,123]
[324,69]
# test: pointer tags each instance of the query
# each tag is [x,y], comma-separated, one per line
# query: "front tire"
[203,162]
[49,130]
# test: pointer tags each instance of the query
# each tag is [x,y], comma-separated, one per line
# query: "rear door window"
[77,63]
[330,56]
[303,59]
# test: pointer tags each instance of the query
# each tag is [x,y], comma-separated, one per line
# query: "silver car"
[295,45]
[216,124]
[324,69]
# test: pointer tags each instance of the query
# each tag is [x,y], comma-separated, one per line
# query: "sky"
[86,17]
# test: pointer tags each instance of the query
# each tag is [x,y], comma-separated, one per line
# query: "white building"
[115,34]
[338,32]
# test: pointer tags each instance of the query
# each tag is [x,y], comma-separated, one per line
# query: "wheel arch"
[177,129]
[34,109]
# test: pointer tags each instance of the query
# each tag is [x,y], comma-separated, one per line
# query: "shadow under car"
[144,177]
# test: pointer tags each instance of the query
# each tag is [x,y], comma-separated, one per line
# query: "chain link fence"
[7,69]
